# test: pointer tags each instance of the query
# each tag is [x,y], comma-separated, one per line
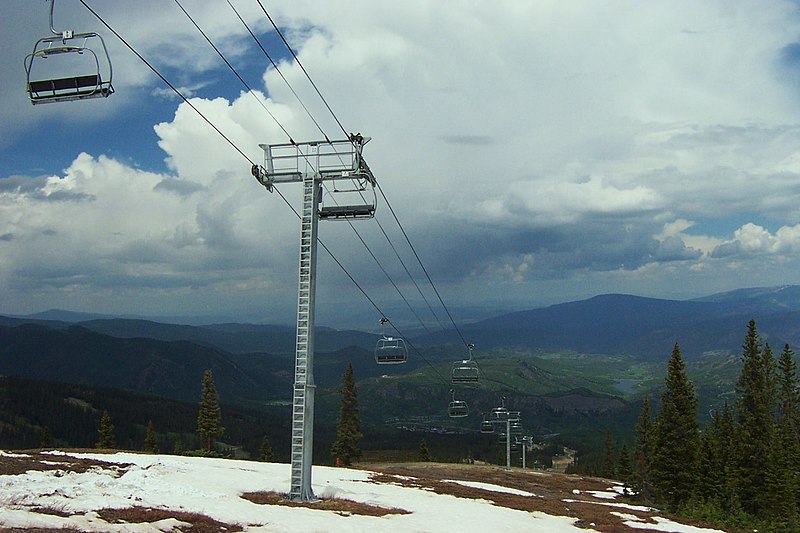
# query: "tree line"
[742,469]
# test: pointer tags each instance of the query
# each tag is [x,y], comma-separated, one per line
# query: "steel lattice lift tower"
[352,196]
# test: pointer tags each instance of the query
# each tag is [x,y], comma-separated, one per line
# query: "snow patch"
[662,524]
[489,486]
[7,454]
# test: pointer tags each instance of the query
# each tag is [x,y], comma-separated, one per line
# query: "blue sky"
[535,152]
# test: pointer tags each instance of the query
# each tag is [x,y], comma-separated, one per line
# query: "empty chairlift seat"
[68,65]
[465,372]
[457,409]
[65,89]
[498,414]
[391,351]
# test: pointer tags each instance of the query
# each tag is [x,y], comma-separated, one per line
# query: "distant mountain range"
[253,364]
[645,328]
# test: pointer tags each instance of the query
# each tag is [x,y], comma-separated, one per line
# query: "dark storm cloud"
[180,187]
[599,243]
[34,188]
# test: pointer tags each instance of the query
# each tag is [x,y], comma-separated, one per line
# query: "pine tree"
[643,455]
[348,431]
[781,478]
[624,469]
[609,455]
[783,473]
[150,443]
[209,416]
[724,437]
[789,389]
[422,454]
[676,443]
[106,432]
[755,402]
[44,438]
[265,452]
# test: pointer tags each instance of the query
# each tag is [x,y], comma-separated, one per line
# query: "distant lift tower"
[350,195]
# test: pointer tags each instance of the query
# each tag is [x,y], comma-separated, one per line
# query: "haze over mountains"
[572,369]
[248,358]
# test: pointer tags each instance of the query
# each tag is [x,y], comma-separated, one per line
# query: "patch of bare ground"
[198,523]
[338,505]
[45,462]
[551,491]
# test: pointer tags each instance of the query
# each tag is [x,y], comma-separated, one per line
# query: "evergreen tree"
[783,474]
[755,425]
[44,438]
[423,455]
[209,417]
[106,432]
[643,455]
[781,479]
[788,391]
[709,474]
[348,431]
[150,444]
[624,470]
[712,487]
[265,452]
[609,455]
[724,435]
[676,442]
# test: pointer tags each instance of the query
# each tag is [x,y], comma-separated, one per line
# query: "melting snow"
[489,486]
[213,487]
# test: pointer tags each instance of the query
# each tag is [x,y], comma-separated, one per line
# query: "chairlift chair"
[499,414]
[353,193]
[51,67]
[487,427]
[390,350]
[457,408]
[466,371]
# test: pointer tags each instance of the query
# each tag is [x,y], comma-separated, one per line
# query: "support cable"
[400,259]
[441,301]
[302,67]
[278,70]
[249,160]
[314,85]
[171,86]
[233,70]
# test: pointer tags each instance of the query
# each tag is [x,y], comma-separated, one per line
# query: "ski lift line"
[278,70]
[388,277]
[365,294]
[302,67]
[400,259]
[317,124]
[165,80]
[372,302]
[247,86]
[244,155]
[419,260]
